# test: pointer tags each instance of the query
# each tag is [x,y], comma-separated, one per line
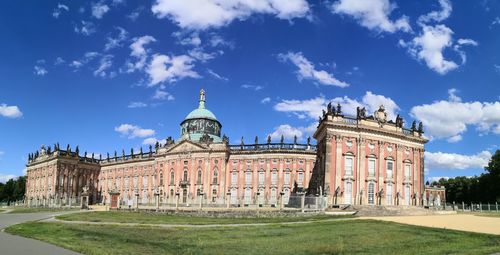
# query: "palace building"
[366,160]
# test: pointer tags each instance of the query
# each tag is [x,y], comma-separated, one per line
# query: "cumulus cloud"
[10,111]
[450,118]
[115,42]
[99,9]
[139,52]
[437,16]
[137,105]
[133,131]
[204,14]
[453,161]
[312,108]
[373,14]
[308,71]
[165,68]
[59,9]
[434,39]
[192,39]
[289,132]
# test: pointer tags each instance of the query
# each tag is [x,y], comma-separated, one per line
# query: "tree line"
[13,190]
[484,188]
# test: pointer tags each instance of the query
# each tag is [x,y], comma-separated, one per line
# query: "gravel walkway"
[464,222]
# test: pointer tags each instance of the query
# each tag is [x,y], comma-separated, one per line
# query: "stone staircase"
[366,210]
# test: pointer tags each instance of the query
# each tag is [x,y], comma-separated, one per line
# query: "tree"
[13,190]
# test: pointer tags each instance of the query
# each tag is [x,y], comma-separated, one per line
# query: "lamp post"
[201,199]
[177,201]
[281,200]
[228,194]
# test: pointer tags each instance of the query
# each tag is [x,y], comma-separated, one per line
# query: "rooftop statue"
[380,115]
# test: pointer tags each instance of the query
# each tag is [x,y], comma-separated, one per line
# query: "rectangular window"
[390,166]
[262,177]
[389,194]
[287,178]
[248,178]
[274,177]
[348,166]
[407,170]
[301,179]
[371,167]
[234,178]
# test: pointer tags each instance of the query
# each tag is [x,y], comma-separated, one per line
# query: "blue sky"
[114,74]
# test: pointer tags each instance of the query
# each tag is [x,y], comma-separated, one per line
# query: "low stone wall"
[229,213]
[396,211]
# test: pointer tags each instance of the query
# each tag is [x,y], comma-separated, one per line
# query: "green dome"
[201,113]
[201,122]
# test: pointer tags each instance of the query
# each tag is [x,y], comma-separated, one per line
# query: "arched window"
[389,194]
[215,179]
[234,177]
[185,177]
[287,177]
[371,193]
[300,178]
[248,177]
[172,176]
[407,170]
[199,180]
[262,177]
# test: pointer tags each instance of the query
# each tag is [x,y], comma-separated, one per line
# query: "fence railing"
[474,207]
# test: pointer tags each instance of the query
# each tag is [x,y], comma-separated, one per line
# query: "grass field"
[332,237]
[35,210]
[156,218]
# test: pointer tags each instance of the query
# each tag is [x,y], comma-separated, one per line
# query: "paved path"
[464,222]
[16,245]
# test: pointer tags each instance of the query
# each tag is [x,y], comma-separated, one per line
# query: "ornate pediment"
[186,146]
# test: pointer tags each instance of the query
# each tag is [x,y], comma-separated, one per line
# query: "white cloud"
[216,75]
[99,9]
[373,14]
[217,40]
[6,177]
[133,131]
[450,118]
[290,132]
[495,22]
[135,14]
[76,64]
[170,68]
[162,95]
[199,54]
[312,108]
[152,141]
[204,14]
[112,43]
[86,28]
[104,64]
[307,70]
[40,70]
[252,87]
[453,161]
[137,105]
[58,10]
[10,111]
[265,100]
[192,39]
[139,52]
[429,45]
[437,16]
[436,178]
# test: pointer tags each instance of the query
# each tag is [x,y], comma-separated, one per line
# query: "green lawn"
[35,210]
[158,218]
[332,237]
